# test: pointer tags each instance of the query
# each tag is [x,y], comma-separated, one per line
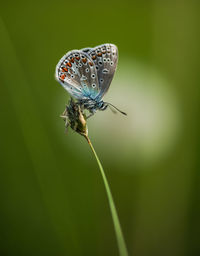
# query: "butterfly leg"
[89,115]
[92,112]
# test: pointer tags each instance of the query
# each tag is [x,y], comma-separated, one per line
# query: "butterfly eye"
[100,63]
[72,76]
[97,67]
[101,80]
[93,85]
[104,60]
[93,75]
[111,63]
[108,60]
[80,65]
[87,70]
[82,56]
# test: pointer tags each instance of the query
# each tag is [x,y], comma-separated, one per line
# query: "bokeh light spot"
[152,126]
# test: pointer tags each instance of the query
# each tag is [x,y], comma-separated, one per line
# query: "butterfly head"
[101,105]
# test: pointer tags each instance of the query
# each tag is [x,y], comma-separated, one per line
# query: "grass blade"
[118,231]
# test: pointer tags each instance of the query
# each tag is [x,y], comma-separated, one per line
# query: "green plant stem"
[118,231]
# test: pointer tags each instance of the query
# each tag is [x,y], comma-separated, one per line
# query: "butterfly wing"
[87,49]
[105,58]
[76,72]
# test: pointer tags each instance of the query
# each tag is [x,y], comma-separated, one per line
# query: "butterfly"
[87,74]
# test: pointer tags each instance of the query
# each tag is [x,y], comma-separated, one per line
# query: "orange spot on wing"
[84,60]
[90,63]
[69,64]
[99,54]
[72,60]
[94,57]
[62,76]
[78,58]
[64,69]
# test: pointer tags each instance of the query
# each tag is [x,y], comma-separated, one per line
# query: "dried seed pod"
[75,118]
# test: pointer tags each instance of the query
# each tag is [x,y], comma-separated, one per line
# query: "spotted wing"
[76,72]
[87,49]
[105,58]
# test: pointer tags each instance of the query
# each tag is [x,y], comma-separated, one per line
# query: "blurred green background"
[53,201]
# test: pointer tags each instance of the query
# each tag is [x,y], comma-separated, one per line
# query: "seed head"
[75,118]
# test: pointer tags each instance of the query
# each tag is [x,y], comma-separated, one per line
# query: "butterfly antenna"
[116,109]
[112,109]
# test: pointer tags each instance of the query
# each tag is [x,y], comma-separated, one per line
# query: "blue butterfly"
[87,74]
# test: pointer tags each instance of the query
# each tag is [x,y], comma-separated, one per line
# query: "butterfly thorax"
[93,105]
